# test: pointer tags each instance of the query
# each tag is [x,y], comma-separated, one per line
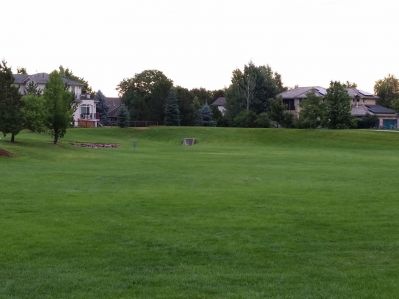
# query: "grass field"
[245,213]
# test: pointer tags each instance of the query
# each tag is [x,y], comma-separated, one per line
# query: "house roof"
[377,109]
[20,78]
[353,92]
[41,78]
[359,111]
[363,110]
[221,101]
[113,105]
[302,92]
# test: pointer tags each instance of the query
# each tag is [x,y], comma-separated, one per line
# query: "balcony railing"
[89,116]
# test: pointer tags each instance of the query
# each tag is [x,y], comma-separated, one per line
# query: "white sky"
[200,43]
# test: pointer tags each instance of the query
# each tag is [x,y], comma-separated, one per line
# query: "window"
[85,109]
[289,104]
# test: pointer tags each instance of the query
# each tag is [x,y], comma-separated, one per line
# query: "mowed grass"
[245,213]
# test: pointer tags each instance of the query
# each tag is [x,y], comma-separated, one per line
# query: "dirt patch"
[95,145]
[4,153]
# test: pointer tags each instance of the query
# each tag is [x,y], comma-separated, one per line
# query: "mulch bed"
[95,145]
[4,153]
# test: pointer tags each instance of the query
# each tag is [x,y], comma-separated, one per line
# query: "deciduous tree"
[338,104]
[313,111]
[34,112]
[59,104]
[67,73]
[252,89]
[145,95]
[388,91]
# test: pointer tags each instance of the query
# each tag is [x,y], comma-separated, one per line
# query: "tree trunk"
[55,138]
[12,137]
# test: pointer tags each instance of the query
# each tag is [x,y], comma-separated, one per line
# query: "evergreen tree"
[58,102]
[338,103]
[172,113]
[206,117]
[197,111]
[11,115]
[123,117]
[102,108]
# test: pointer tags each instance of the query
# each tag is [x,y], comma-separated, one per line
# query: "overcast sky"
[200,43]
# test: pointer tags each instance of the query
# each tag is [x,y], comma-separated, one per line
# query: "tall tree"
[203,95]
[145,95]
[388,91]
[11,115]
[252,89]
[59,103]
[338,104]
[172,112]
[279,114]
[186,106]
[67,73]
[101,107]
[22,70]
[348,84]
[206,117]
[312,113]
[123,117]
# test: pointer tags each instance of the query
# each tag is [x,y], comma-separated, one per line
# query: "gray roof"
[221,101]
[353,92]
[360,111]
[41,78]
[20,78]
[377,109]
[302,92]
[113,105]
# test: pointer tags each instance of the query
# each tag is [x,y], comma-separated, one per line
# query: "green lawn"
[245,213]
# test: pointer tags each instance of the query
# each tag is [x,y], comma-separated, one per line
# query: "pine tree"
[206,115]
[172,112]
[11,115]
[59,106]
[102,107]
[123,117]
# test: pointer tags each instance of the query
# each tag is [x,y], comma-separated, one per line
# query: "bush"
[263,120]
[367,122]
[245,119]
[287,120]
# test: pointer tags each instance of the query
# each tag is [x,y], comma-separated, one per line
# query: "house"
[85,114]
[292,98]
[362,104]
[114,105]
[220,103]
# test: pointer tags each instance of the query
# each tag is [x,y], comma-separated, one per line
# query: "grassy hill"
[245,213]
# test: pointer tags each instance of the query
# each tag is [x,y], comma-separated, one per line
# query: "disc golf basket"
[189,141]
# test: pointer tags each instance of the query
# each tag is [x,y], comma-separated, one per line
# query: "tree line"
[251,101]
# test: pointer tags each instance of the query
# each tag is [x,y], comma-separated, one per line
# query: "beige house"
[363,104]
[85,114]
